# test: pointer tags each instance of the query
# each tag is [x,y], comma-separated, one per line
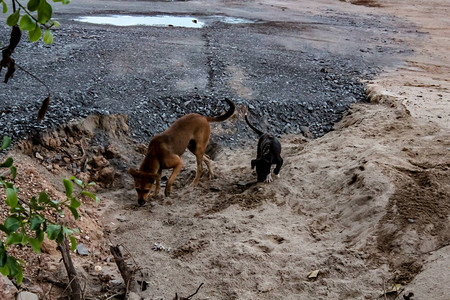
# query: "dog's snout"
[141,202]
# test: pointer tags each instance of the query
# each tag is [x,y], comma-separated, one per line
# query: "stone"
[82,249]
[106,176]
[7,288]
[99,161]
[27,296]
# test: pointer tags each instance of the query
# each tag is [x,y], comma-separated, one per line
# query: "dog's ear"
[254,161]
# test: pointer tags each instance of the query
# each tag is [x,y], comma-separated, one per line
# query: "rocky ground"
[365,205]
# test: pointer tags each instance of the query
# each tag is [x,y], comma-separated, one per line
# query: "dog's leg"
[207,161]
[178,165]
[158,183]
[268,178]
[198,174]
[279,163]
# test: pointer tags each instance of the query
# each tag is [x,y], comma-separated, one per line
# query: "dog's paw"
[268,178]
[277,175]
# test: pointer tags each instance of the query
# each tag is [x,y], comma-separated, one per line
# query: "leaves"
[13,18]
[27,23]
[44,12]
[35,35]
[8,163]
[97,200]
[35,245]
[73,243]
[36,221]
[5,8]
[33,5]
[48,39]
[68,186]
[53,230]
[12,224]
[11,197]
[14,238]
[6,142]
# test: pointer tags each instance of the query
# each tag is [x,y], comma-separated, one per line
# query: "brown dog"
[165,150]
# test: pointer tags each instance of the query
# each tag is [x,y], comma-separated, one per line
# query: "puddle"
[120,20]
[160,21]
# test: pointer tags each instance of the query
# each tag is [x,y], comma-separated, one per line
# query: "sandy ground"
[367,205]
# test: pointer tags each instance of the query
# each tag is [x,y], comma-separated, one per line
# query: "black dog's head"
[262,168]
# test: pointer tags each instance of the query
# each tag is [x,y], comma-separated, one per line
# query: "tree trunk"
[128,275]
[74,281]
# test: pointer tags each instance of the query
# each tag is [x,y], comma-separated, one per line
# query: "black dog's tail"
[259,132]
[226,115]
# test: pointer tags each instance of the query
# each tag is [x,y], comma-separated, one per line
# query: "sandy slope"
[366,205]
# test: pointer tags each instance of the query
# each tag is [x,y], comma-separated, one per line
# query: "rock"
[27,296]
[7,288]
[39,156]
[99,162]
[133,296]
[112,152]
[82,249]
[106,176]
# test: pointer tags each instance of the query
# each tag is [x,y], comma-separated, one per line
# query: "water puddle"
[160,21]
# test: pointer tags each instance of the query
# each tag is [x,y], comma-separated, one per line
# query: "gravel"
[156,74]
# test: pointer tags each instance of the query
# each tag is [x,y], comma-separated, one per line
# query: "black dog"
[268,154]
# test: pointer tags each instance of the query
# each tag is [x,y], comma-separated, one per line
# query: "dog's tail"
[226,115]
[258,132]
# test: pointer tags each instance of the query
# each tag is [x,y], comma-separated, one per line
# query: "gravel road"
[297,72]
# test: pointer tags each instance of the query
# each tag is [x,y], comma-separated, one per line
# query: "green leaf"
[43,198]
[74,203]
[35,245]
[73,243]
[27,23]
[40,235]
[77,181]
[48,37]
[91,195]
[13,18]
[19,276]
[14,238]
[44,12]
[2,255]
[13,266]
[12,224]
[8,163]
[35,35]
[4,270]
[56,24]
[53,231]
[11,197]
[60,238]
[13,172]
[67,231]
[68,186]
[6,140]
[74,212]
[4,229]
[35,222]
[33,5]
[5,8]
